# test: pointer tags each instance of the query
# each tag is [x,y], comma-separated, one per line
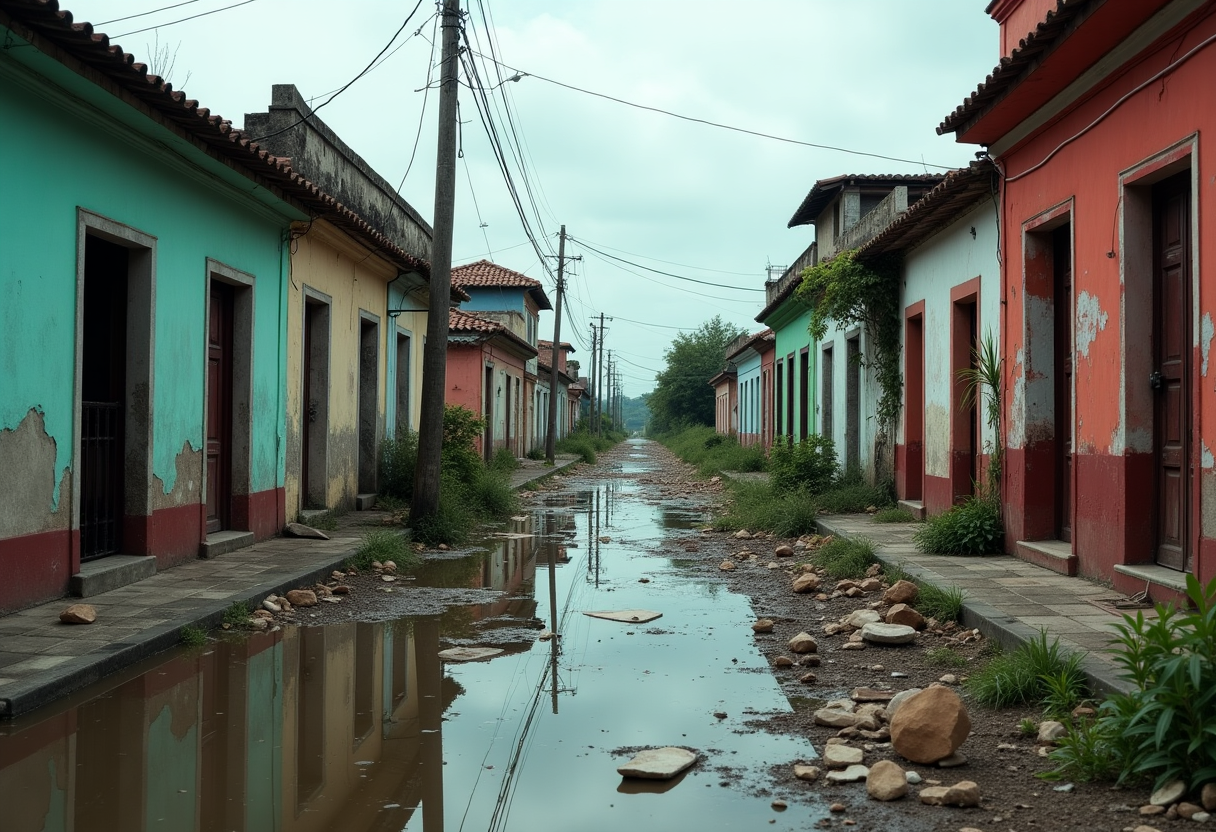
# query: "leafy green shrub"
[490,494]
[894,515]
[536,454]
[1020,677]
[579,444]
[1086,752]
[970,528]
[845,558]
[237,614]
[398,458]
[461,428]
[1028,727]
[386,502]
[381,545]
[1166,728]
[1065,690]
[504,461]
[192,636]
[809,464]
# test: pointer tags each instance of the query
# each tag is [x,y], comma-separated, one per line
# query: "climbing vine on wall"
[849,293]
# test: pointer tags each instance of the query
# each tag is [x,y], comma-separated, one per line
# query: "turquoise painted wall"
[172,772]
[67,154]
[790,324]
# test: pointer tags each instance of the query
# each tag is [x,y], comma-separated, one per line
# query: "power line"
[669,286]
[660,326]
[673,263]
[145,14]
[724,126]
[181,20]
[584,244]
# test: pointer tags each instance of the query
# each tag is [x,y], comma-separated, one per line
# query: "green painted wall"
[790,323]
[68,153]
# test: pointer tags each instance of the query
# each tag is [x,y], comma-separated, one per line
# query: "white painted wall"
[931,270]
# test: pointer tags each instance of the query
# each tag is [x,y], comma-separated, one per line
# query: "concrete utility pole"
[551,436]
[599,384]
[425,501]
[592,388]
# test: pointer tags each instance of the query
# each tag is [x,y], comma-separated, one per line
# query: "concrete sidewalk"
[1008,599]
[42,659]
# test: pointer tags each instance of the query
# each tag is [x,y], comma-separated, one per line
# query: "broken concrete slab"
[658,763]
[468,654]
[300,530]
[627,616]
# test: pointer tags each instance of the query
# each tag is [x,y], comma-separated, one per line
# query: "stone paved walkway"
[42,659]
[1008,599]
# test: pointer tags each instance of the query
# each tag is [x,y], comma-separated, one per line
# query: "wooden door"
[1171,379]
[1062,271]
[219,407]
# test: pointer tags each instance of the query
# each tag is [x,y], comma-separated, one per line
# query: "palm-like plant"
[984,378]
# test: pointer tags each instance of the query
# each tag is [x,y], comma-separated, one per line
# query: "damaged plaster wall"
[38,498]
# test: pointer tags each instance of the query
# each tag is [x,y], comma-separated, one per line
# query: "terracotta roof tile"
[461,322]
[483,273]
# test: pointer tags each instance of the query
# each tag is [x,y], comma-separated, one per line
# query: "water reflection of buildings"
[304,729]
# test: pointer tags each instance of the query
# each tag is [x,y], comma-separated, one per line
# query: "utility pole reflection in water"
[430,714]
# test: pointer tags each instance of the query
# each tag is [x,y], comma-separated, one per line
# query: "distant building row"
[207,331]
[1076,243]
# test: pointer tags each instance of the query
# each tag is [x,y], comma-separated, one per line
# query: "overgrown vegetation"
[398,458]
[944,657]
[932,601]
[755,506]
[972,527]
[237,614]
[1021,677]
[712,452]
[192,636]
[809,464]
[381,545]
[845,558]
[848,293]
[504,461]
[1165,728]
[894,515]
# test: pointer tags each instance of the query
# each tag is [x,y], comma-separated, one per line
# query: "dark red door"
[1062,268]
[1171,379]
[219,407]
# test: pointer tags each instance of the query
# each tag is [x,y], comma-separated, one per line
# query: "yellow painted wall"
[328,261]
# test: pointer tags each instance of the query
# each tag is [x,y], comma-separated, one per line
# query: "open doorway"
[369,401]
[314,472]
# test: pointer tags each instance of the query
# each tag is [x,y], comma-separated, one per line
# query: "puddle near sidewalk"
[361,726]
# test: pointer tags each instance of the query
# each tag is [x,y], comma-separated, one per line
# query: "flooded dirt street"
[359,725]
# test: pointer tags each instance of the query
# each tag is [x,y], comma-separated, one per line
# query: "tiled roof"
[491,275]
[461,322]
[825,190]
[958,192]
[548,345]
[45,19]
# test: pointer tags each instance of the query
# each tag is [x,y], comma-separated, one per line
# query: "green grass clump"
[504,461]
[851,494]
[944,657]
[943,603]
[971,528]
[578,444]
[755,506]
[392,505]
[326,522]
[894,515]
[381,545]
[1090,750]
[1028,727]
[809,464]
[398,457]
[713,452]
[237,614]
[844,558]
[1020,677]
[192,636]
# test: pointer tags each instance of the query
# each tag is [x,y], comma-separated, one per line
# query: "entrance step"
[915,507]
[1056,555]
[105,574]
[221,543]
[1161,582]
[364,502]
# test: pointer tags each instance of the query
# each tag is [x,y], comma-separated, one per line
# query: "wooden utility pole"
[593,388]
[425,501]
[599,385]
[551,436]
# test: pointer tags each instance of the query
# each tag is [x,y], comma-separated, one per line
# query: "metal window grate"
[101,443]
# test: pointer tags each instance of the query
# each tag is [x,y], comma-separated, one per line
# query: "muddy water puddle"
[360,726]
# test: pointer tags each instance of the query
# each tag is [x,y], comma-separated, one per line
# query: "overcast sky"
[869,75]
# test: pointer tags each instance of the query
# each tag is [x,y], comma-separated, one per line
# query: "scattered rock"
[783,661]
[784,551]
[1188,810]
[1171,792]
[1150,810]
[808,678]
[888,633]
[901,592]
[929,726]
[780,805]
[468,654]
[658,763]
[302,597]
[803,643]
[860,618]
[1208,797]
[726,565]
[835,718]
[836,807]
[852,774]
[1143,828]
[842,756]
[963,793]
[913,778]
[271,606]
[870,584]
[79,614]
[808,773]
[388,579]
[949,679]
[743,534]
[764,625]
[871,695]
[955,760]
[1050,731]
[340,589]
[300,530]
[1201,817]
[853,645]
[810,660]
[720,714]
[806,582]
[886,781]
[903,614]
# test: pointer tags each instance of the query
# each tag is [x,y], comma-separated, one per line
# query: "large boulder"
[930,726]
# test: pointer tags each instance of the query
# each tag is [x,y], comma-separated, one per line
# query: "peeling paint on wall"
[1205,338]
[1016,435]
[1205,456]
[28,454]
[937,441]
[1090,320]
[1207,503]
[186,487]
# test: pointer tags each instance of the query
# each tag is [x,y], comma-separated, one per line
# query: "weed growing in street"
[894,515]
[1020,677]
[381,545]
[237,614]
[192,636]
[969,528]
[944,657]
[810,464]
[844,558]
[1086,752]
[1065,690]
[712,452]
[943,603]
[393,505]
[755,506]
[1028,727]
